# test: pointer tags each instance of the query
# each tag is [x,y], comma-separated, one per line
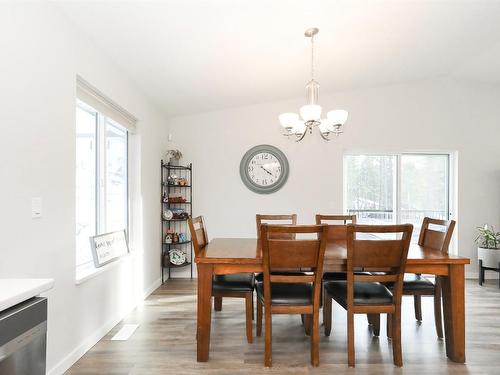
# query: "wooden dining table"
[235,255]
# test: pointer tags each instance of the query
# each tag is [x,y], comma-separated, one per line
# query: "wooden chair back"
[436,239]
[276,219]
[338,229]
[279,253]
[365,251]
[198,231]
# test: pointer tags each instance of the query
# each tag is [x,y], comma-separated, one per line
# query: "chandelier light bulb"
[310,112]
[337,117]
[288,120]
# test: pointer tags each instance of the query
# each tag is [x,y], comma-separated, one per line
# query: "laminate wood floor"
[165,341]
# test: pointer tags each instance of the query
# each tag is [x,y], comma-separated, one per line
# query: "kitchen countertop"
[14,291]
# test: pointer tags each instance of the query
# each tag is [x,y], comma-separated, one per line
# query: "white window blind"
[101,103]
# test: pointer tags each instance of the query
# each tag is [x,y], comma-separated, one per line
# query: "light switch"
[36,208]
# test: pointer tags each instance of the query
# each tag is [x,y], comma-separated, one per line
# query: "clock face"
[264,169]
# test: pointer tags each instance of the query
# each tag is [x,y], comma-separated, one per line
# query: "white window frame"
[451,182]
[84,270]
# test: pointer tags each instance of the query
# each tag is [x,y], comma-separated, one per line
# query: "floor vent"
[125,332]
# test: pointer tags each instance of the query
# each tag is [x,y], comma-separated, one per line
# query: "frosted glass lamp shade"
[288,120]
[310,112]
[337,117]
[299,128]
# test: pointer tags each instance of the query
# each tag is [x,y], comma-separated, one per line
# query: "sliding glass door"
[424,189]
[397,188]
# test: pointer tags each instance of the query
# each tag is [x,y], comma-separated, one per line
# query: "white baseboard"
[94,338]
[155,285]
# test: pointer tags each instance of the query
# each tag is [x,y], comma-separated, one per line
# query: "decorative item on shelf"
[174,198]
[175,238]
[173,156]
[177,257]
[311,112]
[488,251]
[171,179]
[174,180]
[164,197]
[169,235]
[181,181]
[179,214]
[168,215]
[182,237]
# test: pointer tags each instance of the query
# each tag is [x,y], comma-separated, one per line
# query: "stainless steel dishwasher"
[23,338]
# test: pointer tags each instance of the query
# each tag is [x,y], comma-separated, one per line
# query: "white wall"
[435,115]
[40,56]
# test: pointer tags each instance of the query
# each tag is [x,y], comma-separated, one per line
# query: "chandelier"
[310,114]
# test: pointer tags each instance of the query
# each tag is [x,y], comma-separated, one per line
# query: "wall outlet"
[36,208]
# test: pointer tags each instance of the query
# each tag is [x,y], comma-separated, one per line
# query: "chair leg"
[438,320]
[217,303]
[259,317]
[350,339]
[315,339]
[369,319]
[253,312]
[268,356]
[248,313]
[396,338]
[374,320]
[417,301]
[307,324]
[389,326]
[327,313]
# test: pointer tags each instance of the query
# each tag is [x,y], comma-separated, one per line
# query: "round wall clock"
[264,169]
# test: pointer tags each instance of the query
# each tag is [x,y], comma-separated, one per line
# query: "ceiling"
[194,56]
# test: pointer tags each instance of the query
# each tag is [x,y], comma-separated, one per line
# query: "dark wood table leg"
[204,313]
[453,287]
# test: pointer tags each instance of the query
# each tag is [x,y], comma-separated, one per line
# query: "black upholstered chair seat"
[239,282]
[365,293]
[287,293]
[415,283]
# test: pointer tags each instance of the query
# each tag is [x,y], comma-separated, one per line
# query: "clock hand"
[266,170]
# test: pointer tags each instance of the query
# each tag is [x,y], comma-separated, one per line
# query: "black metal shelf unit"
[169,174]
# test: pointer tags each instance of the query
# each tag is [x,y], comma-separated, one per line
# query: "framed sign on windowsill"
[108,247]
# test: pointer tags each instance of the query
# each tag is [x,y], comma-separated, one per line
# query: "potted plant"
[173,156]
[488,242]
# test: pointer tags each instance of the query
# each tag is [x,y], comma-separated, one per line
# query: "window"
[101,178]
[397,188]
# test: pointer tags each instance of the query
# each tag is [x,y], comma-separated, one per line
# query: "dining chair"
[365,293]
[289,293]
[435,234]
[289,219]
[337,230]
[239,285]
